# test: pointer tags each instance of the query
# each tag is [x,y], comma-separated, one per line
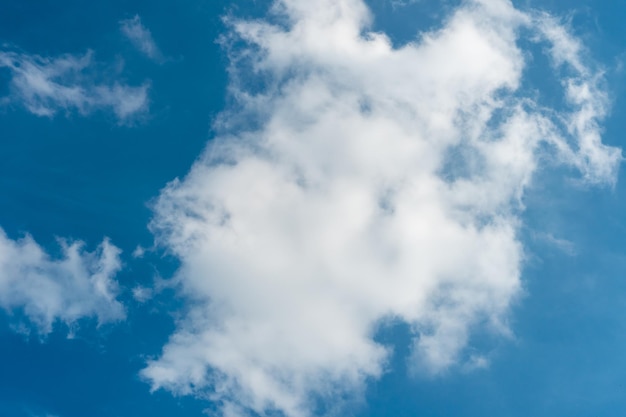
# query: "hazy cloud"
[141,38]
[368,183]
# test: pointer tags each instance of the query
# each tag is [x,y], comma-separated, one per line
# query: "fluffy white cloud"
[355,183]
[79,284]
[141,38]
[67,83]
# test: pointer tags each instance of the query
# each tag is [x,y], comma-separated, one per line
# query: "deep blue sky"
[85,177]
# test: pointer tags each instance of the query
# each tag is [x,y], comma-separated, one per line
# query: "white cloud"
[139,252]
[45,86]
[564,245]
[77,285]
[142,294]
[141,38]
[366,183]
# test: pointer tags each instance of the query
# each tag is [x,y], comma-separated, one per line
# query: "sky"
[298,208]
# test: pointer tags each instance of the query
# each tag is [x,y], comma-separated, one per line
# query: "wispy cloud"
[77,285]
[141,38]
[564,245]
[378,183]
[46,86]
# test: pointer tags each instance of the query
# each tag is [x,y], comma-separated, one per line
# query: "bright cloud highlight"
[46,86]
[77,285]
[363,183]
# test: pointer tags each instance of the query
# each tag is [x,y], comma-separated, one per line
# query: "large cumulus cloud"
[354,182]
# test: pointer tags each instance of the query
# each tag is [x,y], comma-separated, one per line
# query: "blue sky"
[380,208]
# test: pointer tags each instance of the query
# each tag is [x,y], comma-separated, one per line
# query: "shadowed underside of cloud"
[368,183]
[45,86]
[78,285]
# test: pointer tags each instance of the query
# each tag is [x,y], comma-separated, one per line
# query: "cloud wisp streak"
[77,285]
[356,182]
[141,38]
[67,83]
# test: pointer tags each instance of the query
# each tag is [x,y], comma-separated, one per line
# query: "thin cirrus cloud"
[47,290]
[67,83]
[141,38]
[364,183]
